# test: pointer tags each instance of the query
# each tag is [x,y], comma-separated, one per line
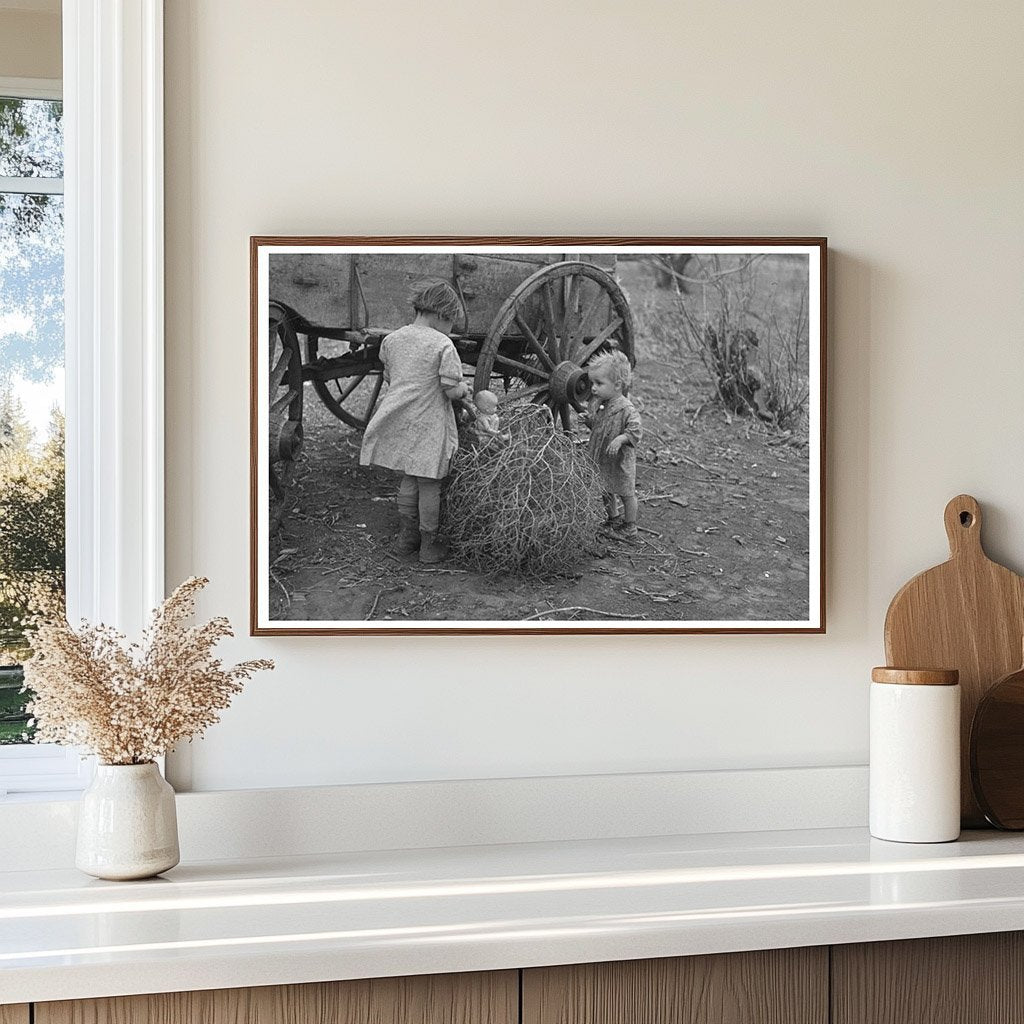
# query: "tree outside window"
[31,386]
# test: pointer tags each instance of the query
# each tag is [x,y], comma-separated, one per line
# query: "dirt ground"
[723,518]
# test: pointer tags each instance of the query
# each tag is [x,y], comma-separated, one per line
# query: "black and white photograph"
[537,435]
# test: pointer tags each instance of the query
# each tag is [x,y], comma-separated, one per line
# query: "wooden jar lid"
[916,676]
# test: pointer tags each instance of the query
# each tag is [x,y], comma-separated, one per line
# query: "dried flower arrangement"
[129,704]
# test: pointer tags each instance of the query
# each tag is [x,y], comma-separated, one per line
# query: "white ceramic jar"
[915,755]
[127,823]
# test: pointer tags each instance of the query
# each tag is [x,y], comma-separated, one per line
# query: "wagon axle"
[569,385]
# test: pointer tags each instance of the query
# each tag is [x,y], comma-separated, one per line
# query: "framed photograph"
[537,435]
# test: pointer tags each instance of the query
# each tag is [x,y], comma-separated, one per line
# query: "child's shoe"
[408,539]
[431,550]
[624,530]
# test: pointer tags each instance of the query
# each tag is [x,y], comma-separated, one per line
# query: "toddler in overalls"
[615,432]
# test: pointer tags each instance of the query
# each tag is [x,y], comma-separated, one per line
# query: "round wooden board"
[997,753]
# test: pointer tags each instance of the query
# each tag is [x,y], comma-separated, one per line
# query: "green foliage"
[14,719]
[31,138]
[31,524]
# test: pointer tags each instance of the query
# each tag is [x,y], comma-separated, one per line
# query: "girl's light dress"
[413,429]
[608,419]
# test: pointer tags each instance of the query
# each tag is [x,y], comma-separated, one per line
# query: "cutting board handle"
[963,526]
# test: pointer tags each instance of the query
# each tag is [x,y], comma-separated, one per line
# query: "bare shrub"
[747,322]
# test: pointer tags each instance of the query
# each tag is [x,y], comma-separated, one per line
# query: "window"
[31,379]
[32,547]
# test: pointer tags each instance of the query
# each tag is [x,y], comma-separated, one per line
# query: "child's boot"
[431,550]
[612,516]
[408,539]
[624,528]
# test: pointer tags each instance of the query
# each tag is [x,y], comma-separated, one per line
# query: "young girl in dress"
[615,432]
[413,429]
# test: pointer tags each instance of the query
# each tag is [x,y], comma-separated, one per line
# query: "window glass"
[31,139]
[31,386]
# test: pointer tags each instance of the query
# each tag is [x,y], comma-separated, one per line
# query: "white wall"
[895,129]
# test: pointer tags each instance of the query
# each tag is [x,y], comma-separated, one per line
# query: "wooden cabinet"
[962,979]
[776,986]
[966,979]
[491,998]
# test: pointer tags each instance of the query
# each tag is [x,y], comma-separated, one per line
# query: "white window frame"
[114,334]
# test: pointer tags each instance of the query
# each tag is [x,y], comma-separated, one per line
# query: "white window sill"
[43,797]
[42,772]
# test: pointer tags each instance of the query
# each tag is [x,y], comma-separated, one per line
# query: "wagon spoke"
[284,401]
[343,393]
[548,339]
[575,342]
[599,340]
[563,412]
[519,367]
[569,324]
[548,308]
[521,394]
[533,342]
[278,372]
[374,396]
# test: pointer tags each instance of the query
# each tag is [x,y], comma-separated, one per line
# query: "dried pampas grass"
[130,703]
[528,506]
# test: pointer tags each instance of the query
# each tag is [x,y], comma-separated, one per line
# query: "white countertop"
[224,924]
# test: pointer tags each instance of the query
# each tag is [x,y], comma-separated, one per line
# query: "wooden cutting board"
[967,614]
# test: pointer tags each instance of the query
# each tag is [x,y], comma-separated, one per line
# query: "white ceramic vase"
[127,825]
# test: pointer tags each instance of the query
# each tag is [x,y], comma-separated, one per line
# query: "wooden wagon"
[533,321]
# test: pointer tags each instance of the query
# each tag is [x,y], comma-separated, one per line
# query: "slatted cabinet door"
[14,1014]
[481,998]
[960,979]
[777,986]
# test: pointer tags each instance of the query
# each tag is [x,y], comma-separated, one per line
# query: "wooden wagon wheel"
[353,385]
[285,398]
[546,333]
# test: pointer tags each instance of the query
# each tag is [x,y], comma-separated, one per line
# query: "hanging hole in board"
[966,519]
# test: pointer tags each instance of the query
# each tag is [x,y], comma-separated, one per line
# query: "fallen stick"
[648,593]
[578,608]
[376,600]
[287,596]
[700,465]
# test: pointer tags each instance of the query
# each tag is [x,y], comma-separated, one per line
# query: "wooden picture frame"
[727,338]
